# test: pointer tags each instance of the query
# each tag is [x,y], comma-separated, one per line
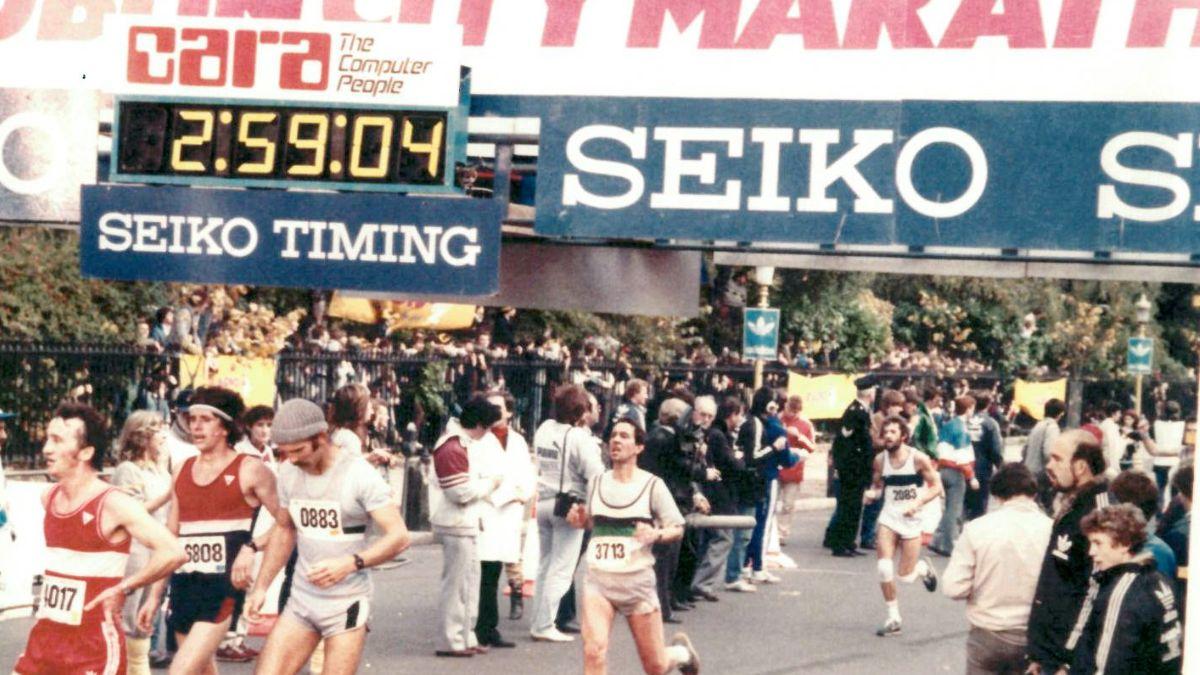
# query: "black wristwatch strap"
[252,546]
[359,563]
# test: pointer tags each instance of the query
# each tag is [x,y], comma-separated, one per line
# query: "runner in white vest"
[628,510]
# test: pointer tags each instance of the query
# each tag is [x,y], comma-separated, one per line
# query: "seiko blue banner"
[1090,177]
[376,242]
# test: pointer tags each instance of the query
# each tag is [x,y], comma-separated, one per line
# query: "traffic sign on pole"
[760,333]
[1140,355]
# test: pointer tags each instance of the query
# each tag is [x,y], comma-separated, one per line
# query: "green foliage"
[432,388]
[43,296]
[833,311]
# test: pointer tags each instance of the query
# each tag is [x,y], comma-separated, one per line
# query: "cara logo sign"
[345,62]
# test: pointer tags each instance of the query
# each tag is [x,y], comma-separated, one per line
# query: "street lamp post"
[1141,311]
[763,276]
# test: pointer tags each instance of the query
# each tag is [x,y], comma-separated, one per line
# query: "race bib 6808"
[205,554]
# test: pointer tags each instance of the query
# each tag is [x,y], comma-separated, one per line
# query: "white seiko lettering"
[768,197]
[1110,205]
[146,238]
[575,194]
[908,156]
[114,232]
[822,174]
[675,167]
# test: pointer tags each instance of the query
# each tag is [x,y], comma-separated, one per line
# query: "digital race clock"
[272,145]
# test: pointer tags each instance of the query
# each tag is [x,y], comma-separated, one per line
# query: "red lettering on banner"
[1152,19]
[254,9]
[193,7]
[474,16]
[717,30]
[245,58]
[868,19]
[260,9]
[771,19]
[1077,24]
[562,22]
[1020,21]
[216,44]
[416,11]
[291,65]
[137,69]
[14,14]
[341,10]
[58,19]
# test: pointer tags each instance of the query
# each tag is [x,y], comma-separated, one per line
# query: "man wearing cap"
[853,454]
[327,496]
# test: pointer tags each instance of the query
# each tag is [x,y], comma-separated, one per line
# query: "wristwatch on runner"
[359,563]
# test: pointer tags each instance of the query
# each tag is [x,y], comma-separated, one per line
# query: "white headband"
[216,411]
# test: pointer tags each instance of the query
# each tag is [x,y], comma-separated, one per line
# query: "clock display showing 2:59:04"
[252,143]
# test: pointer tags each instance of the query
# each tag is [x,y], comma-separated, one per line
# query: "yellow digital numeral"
[267,164]
[433,147]
[317,145]
[178,163]
[385,146]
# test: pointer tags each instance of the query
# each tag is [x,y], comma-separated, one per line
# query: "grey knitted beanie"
[297,420]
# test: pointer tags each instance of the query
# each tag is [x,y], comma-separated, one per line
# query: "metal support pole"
[1137,379]
[763,302]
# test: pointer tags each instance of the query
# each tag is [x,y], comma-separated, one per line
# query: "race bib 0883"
[317,518]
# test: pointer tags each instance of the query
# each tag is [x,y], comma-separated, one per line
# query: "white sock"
[678,654]
[922,568]
[893,608]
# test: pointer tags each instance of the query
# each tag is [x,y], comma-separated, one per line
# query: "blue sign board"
[1139,356]
[1016,177]
[760,333]
[375,242]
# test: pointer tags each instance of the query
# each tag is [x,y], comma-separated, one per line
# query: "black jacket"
[1063,581]
[665,457]
[725,495]
[853,450]
[1129,624]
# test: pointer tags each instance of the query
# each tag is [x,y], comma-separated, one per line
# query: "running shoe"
[741,586]
[764,577]
[931,577]
[692,667]
[236,654]
[552,635]
[889,628]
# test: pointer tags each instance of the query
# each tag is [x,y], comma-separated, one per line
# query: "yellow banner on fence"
[825,397]
[1032,396]
[253,378]
[403,313]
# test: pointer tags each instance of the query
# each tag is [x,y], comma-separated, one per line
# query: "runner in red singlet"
[214,501]
[88,527]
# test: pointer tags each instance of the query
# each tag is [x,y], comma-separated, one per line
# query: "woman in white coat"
[503,452]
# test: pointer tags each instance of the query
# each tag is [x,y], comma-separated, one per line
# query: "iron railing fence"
[419,390]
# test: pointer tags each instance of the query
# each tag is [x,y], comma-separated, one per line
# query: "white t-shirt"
[330,513]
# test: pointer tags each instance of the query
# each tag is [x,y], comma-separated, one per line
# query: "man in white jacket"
[995,568]
[502,452]
[461,489]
